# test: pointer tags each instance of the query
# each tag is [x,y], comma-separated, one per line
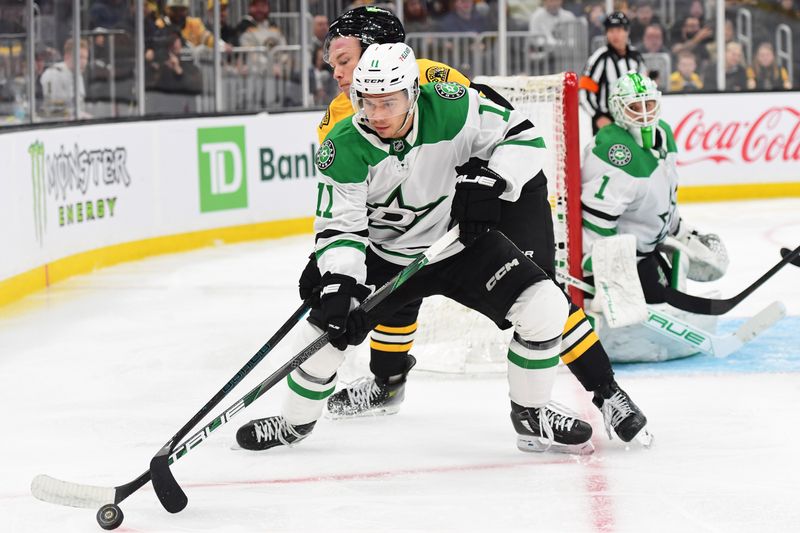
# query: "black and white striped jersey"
[603,68]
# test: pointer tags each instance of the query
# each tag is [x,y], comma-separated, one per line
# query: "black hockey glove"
[344,326]
[310,281]
[476,204]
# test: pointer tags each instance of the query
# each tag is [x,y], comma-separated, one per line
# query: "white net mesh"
[452,338]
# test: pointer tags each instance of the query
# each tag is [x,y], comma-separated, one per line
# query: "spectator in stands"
[692,37]
[58,82]
[545,19]
[595,16]
[644,17]
[605,66]
[463,18]
[735,74]
[256,29]
[192,30]
[319,29]
[519,13]
[685,79]
[108,14]
[711,47]
[227,32]
[766,74]
[323,86]
[415,17]
[653,40]
[173,73]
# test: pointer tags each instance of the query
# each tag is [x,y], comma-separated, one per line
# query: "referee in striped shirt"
[605,65]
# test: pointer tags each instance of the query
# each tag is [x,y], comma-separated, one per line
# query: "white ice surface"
[96,373]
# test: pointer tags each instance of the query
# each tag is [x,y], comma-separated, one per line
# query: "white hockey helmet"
[385,69]
[635,104]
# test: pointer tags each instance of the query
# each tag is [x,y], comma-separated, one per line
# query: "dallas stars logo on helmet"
[450,90]
[325,155]
[619,155]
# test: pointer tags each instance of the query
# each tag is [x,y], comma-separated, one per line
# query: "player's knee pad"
[540,312]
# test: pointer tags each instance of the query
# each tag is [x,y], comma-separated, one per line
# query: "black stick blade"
[795,261]
[169,493]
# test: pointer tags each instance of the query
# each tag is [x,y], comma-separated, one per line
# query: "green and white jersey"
[627,189]
[395,195]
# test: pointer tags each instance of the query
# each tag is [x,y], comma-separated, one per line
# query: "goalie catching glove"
[476,203]
[708,257]
[336,314]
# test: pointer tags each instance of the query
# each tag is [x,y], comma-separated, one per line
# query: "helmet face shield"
[381,108]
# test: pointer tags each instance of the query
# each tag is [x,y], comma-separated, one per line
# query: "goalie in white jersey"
[388,191]
[629,188]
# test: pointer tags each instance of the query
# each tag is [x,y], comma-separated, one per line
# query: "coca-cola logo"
[774,135]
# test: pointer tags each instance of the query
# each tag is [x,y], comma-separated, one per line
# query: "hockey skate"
[366,397]
[370,396]
[266,433]
[622,415]
[551,428]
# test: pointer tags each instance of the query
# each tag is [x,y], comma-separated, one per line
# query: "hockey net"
[452,338]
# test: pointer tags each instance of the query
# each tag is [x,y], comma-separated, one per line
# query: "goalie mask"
[635,104]
[385,87]
[369,24]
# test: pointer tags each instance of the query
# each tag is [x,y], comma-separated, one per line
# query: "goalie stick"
[52,490]
[795,261]
[711,306]
[715,345]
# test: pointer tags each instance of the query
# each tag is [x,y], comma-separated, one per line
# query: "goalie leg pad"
[538,316]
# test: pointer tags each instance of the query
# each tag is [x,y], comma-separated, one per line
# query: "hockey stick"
[795,261]
[123,491]
[678,330]
[711,306]
[164,483]
[60,492]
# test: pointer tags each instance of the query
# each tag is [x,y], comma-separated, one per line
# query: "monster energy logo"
[67,174]
[36,151]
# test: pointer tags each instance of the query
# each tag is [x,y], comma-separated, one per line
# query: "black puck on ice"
[110,516]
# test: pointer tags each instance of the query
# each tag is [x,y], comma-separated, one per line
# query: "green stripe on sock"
[306,393]
[532,364]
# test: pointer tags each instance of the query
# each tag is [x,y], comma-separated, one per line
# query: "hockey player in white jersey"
[629,188]
[526,222]
[389,190]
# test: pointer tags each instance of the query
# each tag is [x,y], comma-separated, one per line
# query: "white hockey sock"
[532,370]
[538,316]
[311,383]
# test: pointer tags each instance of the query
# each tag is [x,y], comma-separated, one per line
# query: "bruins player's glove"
[476,204]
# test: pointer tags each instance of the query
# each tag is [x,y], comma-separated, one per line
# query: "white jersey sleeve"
[506,138]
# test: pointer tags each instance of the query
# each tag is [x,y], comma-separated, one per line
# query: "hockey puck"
[110,516]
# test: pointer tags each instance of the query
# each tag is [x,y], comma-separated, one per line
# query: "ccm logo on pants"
[505,269]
